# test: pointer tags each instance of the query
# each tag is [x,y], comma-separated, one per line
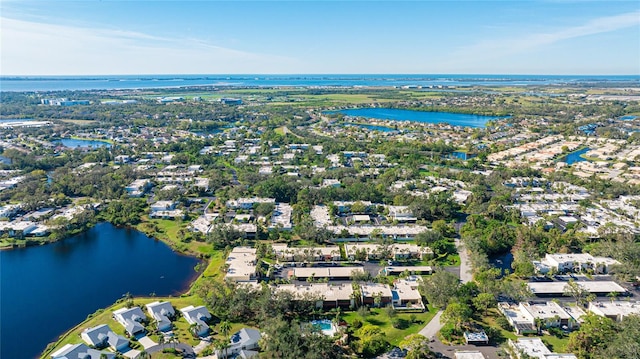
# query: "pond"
[48,289]
[455,119]
[80,143]
[574,157]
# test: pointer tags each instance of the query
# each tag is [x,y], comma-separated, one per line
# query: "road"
[465,264]
[433,327]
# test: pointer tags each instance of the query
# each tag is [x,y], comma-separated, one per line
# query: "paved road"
[465,264]
[433,327]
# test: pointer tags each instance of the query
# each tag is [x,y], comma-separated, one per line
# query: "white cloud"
[499,48]
[34,48]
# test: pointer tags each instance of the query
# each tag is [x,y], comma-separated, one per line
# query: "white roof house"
[535,348]
[244,340]
[197,315]
[130,318]
[615,310]
[101,336]
[80,351]
[161,313]
[332,295]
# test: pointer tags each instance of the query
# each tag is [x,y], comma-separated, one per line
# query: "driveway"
[186,350]
[146,342]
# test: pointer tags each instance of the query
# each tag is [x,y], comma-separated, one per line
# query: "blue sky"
[315,37]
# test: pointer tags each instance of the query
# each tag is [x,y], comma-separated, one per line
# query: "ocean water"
[63,83]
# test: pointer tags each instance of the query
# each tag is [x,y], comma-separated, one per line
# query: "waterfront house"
[198,316]
[161,312]
[131,319]
[81,351]
[102,336]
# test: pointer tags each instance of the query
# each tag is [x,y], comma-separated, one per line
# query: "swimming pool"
[326,326]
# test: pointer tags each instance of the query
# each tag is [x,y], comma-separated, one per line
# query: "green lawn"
[378,318]
[555,344]
[105,317]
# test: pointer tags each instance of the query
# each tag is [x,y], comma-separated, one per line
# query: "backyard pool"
[326,326]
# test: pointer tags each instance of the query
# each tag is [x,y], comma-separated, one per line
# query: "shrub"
[503,323]
[400,323]
[357,323]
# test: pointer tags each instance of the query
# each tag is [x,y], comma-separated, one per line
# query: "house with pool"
[405,295]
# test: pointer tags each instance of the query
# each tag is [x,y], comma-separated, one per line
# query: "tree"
[417,347]
[626,343]
[575,290]
[292,340]
[457,313]
[593,337]
[484,301]
[440,288]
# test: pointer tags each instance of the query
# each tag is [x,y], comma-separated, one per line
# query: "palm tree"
[539,323]
[225,328]
[143,355]
[193,329]
[161,339]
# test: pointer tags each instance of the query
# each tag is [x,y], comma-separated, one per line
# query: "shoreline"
[203,264]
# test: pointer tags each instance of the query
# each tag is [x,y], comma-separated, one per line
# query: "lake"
[455,119]
[574,157]
[48,289]
[80,143]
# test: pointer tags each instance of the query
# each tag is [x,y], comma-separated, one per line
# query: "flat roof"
[324,272]
[328,292]
[589,286]
[616,308]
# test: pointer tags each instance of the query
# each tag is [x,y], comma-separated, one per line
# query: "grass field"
[104,316]
[378,318]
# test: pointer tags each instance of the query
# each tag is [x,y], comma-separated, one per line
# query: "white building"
[615,310]
[241,264]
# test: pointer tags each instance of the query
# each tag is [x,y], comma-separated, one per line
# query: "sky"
[109,37]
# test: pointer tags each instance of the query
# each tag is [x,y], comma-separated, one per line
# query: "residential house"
[102,336]
[245,340]
[405,295]
[616,309]
[198,316]
[131,319]
[376,294]
[329,295]
[81,351]
[161,312]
